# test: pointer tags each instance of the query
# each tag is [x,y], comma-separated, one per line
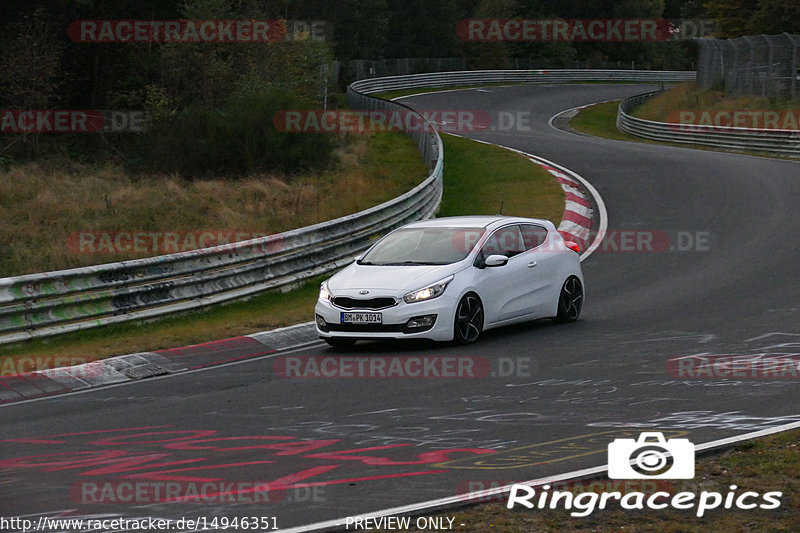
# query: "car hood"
[389,278]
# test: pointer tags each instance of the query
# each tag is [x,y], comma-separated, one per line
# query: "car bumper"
[395,321]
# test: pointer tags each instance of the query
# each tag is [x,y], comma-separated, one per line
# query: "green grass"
[47,209]
[764,465]
[688,97]
[477,178]
[601,120]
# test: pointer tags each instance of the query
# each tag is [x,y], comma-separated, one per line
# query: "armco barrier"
[56,302]
[777,142]
[474,77]
[37,305]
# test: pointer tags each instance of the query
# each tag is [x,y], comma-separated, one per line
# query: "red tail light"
[572,245]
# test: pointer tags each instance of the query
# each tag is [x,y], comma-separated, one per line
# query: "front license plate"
[362,318]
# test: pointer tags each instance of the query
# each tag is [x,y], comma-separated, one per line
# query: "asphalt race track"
[555,395]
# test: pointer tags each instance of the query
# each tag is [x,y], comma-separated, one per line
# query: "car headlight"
[429,292]
[324,293]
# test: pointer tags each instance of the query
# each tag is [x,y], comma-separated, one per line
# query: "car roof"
[476,221]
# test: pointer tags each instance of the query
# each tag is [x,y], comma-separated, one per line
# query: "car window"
[424,246]
[506,241]
[533,235]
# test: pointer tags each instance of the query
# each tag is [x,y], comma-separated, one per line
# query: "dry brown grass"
[40,206]
[688,97]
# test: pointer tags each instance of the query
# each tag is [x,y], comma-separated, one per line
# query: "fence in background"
[760,65]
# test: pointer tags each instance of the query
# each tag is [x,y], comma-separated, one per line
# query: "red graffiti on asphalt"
[149,453]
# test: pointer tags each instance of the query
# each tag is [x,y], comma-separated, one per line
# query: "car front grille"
[345,302]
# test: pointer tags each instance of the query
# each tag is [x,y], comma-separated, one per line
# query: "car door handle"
[532,264]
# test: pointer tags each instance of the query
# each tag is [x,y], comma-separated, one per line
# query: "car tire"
[468,322]
[340,343]
[570,300]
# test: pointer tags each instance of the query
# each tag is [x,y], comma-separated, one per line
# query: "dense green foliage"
[235,140]
[209,106]
[204,100]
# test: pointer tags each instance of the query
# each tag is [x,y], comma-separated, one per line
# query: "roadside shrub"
[236,140]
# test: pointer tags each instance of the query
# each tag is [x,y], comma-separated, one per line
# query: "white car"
[449,279]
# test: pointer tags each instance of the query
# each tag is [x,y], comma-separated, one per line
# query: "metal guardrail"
[777,142]
[470,77]
[38,305]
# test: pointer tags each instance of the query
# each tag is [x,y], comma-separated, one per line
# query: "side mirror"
[495,260]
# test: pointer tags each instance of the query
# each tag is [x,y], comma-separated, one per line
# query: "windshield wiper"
[404,263]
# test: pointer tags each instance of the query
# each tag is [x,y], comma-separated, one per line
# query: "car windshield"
[423,246]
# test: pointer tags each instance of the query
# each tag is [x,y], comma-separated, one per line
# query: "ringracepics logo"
[641,459]
[648,457]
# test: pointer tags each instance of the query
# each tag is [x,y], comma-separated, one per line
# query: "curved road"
[330,448]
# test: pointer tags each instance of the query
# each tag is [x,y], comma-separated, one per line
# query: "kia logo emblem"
[363,292]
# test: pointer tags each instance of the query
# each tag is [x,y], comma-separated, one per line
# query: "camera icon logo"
[651,457]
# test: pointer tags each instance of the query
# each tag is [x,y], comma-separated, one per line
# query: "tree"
[423,28]
[359,26]
[491,55]
[731,17]
[775,16]
[31,63]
